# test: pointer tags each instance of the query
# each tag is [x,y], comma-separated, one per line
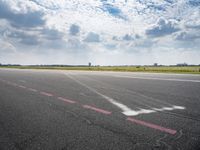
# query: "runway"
[75,110]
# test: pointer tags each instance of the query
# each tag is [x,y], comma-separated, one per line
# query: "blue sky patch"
[114,11]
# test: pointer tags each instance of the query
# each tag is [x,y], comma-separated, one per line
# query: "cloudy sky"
[104,32]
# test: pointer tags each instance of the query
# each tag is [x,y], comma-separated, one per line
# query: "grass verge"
[159,69]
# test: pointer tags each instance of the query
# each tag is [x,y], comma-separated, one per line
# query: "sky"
[103,32]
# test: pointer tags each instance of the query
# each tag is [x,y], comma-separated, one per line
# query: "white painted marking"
[21,86]
[148,111]
[135,113]
[46,94]
[178,107]
[161,79]
[23,81]
[168,108]
[33,90]
[125,109]
[158,109]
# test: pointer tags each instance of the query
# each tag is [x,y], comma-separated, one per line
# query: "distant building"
[155,64]
[89,64]
[182,64]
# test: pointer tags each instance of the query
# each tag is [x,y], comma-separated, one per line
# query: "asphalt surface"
[77,110]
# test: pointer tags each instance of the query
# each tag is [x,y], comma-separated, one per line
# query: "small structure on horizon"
[89,64]
[183,64]
[155,64]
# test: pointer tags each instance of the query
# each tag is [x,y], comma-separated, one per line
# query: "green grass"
[159,69]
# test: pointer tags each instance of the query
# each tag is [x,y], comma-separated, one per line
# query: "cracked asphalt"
[71,110]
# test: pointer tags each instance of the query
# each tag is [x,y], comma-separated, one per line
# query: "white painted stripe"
[23,81]
[161,79]
[135,113]
[33,90]
[178,107]
[148,111]
[125,109]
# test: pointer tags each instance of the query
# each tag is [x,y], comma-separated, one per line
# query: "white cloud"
[162,28]
[132,30]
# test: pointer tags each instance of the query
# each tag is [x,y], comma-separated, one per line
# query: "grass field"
[160,69]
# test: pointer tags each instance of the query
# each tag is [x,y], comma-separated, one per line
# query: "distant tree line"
[61,65]
[9,64]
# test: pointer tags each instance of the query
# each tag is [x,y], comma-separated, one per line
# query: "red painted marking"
[21,86]
[33,90]
[66,100]
[46,94]
[97,109]
[150,125]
